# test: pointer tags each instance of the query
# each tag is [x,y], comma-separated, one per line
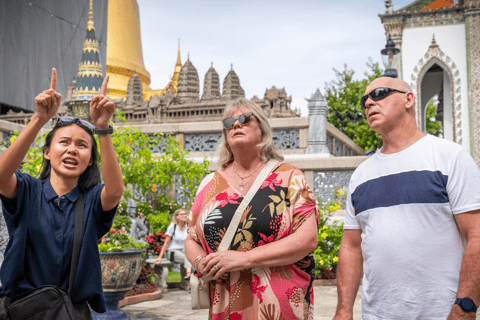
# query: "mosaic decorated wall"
[325,183]
[473,57]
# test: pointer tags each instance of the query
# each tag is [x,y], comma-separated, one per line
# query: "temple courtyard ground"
[175,304]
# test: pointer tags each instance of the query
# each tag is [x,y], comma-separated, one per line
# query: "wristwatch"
[466,304]
[104,131]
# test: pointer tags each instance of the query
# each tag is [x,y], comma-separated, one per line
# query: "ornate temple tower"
[188,83]
[89,76]
[124,47]
[211,85]
[134,90]
[231,87]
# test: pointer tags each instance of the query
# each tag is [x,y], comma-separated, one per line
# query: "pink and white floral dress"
[281,205]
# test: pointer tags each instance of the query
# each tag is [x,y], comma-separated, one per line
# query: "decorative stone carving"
[389,6]
[338,148]
[317,129]
[6,137]
[134,90]
[348,152]
[472,24]
[211,85]
[231,87]
[434,52]
[188,83]
[326,181]
[196,142]
[160,148]
[330,144]
[286,138]
[138,229]
[180,196]
[278,103]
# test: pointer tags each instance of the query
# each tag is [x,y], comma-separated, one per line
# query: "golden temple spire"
[90,17]
[179,61]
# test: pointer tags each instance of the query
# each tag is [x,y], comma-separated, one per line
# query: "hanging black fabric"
[50,302]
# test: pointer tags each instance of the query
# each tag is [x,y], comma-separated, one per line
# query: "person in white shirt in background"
[175,241]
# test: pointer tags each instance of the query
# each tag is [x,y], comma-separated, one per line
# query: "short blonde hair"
[175,214]
[268,149]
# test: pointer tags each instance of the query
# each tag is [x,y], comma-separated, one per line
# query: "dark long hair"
[91,176]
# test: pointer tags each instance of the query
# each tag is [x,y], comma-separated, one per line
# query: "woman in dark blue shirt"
[40,213]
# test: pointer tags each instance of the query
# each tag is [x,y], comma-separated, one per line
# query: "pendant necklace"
[242,184]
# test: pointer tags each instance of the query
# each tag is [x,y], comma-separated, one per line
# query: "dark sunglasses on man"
[242,119]
[378,94]
[88,125]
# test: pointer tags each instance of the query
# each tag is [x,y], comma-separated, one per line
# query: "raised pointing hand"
[48,102]
[101,108]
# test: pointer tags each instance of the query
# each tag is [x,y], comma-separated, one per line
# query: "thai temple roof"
[211,85]
[439,4]
[89,77]
[231,86]
[420,5]
[173,84]
[188,82]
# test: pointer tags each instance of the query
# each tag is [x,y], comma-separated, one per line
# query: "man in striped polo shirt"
[409,207]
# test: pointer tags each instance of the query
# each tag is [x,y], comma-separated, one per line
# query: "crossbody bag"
[50,302]
[200,288]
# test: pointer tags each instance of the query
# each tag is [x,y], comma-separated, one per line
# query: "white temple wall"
[451,40]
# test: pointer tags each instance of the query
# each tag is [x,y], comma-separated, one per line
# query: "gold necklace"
[242,184]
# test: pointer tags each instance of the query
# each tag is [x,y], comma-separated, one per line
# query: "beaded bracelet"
[197,261]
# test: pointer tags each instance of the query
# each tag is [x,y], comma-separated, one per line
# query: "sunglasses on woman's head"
[69,119]
[377,94]
[242,119]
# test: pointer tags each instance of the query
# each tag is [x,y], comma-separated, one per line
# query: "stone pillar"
[317,127]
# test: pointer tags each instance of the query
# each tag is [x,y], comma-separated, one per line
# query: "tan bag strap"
[232,227]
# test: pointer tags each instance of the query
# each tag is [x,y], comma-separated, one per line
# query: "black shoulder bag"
[51,302]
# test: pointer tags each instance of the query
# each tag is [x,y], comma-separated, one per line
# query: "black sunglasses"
[242,119]
[69,119]
[378,94]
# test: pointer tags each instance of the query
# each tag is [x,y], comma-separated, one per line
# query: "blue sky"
[286,43]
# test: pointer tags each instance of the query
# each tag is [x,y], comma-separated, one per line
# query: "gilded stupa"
[125,54]
[89,77]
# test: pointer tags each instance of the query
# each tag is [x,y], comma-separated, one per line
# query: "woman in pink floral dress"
[268,271]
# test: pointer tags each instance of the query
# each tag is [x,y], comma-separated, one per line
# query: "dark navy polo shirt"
[41,226]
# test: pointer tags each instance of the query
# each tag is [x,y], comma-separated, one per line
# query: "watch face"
[467,304]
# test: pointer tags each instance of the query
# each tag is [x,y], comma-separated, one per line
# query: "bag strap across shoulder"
[232,227]
[77,240]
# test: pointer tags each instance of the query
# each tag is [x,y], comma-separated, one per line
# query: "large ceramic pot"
[120,270]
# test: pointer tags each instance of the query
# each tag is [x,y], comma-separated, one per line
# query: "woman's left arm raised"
[101,110]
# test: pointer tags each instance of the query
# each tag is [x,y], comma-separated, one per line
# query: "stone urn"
[120,271]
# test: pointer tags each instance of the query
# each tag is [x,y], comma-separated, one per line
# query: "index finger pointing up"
[53,81]
[103,90]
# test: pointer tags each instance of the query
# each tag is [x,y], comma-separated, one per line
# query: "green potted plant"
[330,235]
[121,261]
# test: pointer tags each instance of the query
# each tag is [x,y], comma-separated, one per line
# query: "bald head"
[389,82]
[394,84]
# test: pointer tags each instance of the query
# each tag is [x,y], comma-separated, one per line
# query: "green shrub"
[329,234]
[159,222]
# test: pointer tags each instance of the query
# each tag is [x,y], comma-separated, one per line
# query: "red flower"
[225,199]
[236,316]
[111,264]
[256,289]
[271,182]
[265,239]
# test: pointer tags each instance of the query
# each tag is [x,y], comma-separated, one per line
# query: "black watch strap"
[466,304]
[104,131]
